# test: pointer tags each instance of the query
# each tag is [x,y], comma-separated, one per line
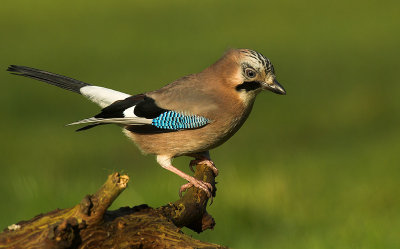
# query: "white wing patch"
[129,113]
[102,96]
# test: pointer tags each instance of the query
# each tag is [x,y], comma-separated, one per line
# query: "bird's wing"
[141,114]
[99,95]
[189,94]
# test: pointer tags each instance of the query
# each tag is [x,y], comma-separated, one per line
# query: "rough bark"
[90,225]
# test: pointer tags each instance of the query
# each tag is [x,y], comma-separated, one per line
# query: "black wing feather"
[88,127]
[145,107]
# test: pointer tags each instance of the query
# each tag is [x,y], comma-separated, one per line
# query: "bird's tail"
[99,95]
[50,78]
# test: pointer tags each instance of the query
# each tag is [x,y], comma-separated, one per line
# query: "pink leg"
[203,158]
[165,162]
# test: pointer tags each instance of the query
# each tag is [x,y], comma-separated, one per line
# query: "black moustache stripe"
[248,86]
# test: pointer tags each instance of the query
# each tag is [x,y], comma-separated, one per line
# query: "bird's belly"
[184,142]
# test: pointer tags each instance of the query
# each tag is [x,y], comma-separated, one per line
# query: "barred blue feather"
[171,120]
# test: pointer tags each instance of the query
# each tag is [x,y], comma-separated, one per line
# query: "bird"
[188,117]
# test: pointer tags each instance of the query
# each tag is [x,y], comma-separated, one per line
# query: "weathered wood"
[90,225]
[190,210]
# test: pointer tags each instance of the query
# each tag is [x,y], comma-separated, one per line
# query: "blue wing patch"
[171,120]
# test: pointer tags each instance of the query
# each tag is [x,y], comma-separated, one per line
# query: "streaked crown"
[258,60]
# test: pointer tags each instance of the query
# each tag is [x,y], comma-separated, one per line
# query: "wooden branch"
[190,210]
[90,225]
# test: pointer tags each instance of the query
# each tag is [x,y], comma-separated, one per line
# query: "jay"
[187,117]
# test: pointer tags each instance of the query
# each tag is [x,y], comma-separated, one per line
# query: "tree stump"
[89,224]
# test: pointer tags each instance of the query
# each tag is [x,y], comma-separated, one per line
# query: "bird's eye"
[250,73]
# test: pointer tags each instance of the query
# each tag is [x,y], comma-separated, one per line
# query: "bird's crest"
[260,58]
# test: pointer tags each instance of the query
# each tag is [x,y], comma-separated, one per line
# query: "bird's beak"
[274,87]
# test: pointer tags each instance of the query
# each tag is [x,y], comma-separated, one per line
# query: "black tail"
[50,78]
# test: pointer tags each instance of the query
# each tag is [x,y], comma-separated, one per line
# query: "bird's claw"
[207,162]
[205,186]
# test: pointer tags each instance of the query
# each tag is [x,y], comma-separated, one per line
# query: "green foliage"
[317,168]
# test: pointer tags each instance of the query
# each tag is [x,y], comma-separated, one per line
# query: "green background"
[317,168]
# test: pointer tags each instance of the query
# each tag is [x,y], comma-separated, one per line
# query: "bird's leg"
[203,158]
[165,162]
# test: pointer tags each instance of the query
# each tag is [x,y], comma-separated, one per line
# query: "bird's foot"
[205,186]
[204,161]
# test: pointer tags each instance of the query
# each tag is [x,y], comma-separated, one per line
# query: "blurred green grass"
[318,168]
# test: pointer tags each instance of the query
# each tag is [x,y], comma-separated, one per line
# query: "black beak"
[275,87]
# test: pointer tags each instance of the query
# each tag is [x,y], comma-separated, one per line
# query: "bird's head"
[247,72]
[256,73]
